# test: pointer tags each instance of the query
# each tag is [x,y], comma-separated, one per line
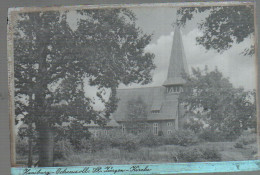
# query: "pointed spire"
[178,63]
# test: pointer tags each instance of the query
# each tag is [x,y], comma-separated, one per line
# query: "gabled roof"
[153,97]
[178,64]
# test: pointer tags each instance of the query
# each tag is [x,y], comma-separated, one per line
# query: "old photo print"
[132,84]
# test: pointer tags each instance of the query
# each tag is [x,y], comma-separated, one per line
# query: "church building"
[164,113]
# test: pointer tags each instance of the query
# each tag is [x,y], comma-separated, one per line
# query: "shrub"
[238,145]
[193,125]
[182,137]
[189,155]
[150,140]
[198,154]
[98,143]
[211,154]
[210,135]
[128,142]
[247,138]
[21,146]
[62,149]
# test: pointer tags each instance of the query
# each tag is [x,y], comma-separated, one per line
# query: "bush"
[128,142]
[211,154]
[150,140]
[189,155]
[238,145]
[198,154]
[245,139]
[193,125]
[21,146]
[210,135]
[62,149]
[182,137]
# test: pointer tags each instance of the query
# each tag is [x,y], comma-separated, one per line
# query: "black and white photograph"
[132,84]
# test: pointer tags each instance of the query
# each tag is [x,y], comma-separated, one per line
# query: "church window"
[169,123]
[155,111]
[169,132]
[174,89]
[123,128]
[155,128]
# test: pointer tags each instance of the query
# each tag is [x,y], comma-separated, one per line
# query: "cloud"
[240,69]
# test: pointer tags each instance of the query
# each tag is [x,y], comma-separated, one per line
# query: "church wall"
[165,127]
[102,131]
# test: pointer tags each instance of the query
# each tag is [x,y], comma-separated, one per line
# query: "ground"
[146,155]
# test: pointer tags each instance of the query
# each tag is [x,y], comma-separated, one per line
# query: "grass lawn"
[244,148]
[160,154]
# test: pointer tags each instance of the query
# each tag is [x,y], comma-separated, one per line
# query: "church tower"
[177,65]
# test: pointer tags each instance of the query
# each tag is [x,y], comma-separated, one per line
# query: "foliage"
[21,146]
[189,155]
[198,154]
[182,137]
[223,25]
[194,125]
[245,139]
[223,108]
[150,140]
[211,154]
[63,148]
[75,132]
[210,135]
[136,116]
[52,62]
[238,145]
[127,142]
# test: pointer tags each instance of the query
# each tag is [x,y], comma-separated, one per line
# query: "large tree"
[223,108]
[52,63]
[223,25]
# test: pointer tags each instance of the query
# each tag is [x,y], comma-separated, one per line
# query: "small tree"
[136,116]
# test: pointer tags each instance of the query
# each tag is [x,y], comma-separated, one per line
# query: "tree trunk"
[30,150]
[30,146]
[46,145]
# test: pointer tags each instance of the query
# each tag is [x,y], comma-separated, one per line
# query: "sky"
[159,22]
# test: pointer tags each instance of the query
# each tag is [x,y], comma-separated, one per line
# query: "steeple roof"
[178,64]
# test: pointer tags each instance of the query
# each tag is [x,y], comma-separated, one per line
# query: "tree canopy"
[136,116]
[213,99]
[52,62]
[223,25]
